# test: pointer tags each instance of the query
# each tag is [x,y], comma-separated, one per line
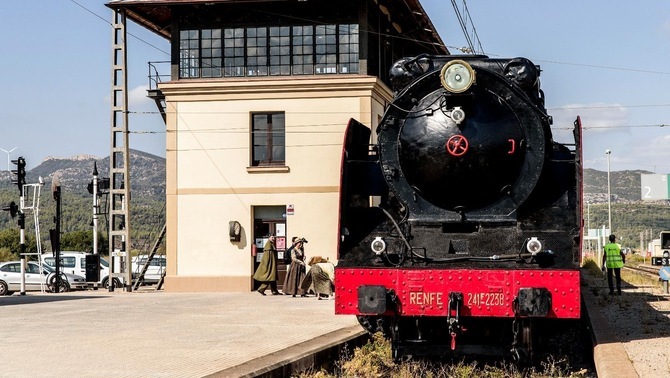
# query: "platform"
[609,354]
[159,334]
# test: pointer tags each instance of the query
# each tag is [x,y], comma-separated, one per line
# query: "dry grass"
[591,268]
[374,360]
[638,279]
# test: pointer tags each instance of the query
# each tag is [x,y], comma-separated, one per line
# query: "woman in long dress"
[319,278]
[296,270]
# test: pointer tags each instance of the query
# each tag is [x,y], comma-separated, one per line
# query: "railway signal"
[665,247]
[12,208]
[20,173]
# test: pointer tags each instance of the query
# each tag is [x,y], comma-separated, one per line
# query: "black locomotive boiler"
[460,223]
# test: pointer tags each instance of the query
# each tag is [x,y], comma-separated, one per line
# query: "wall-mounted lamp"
[234,231]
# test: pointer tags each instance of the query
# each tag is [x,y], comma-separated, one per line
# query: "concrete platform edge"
[610,357]
[313,353]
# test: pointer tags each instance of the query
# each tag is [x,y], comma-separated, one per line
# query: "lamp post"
[609,192]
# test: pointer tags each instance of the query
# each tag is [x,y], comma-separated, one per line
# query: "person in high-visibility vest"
[613,259]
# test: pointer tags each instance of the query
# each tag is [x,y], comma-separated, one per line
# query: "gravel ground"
[640,318]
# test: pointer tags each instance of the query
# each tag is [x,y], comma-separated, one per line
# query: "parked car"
[75,281]
[10,278]
[74,262]
[154,270]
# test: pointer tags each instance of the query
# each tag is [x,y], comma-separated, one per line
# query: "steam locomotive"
[460,220]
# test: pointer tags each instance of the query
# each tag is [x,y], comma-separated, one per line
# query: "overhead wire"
[110,24]
[403,37]
[464,22]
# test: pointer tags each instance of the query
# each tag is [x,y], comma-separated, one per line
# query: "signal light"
[20,173]
[103,184]
[457,76]
[13,209]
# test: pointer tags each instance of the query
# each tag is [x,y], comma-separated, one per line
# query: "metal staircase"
[154,92]
[140,278]
[157,95]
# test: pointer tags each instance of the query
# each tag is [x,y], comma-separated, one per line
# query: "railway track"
[644,269]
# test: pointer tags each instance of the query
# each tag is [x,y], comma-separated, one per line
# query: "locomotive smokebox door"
[372,299]
[534,302]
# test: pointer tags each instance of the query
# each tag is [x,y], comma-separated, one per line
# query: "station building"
[257,103]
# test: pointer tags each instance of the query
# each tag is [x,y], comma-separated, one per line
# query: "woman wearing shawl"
[320,277]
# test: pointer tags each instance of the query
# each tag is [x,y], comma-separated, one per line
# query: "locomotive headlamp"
[457,76]
[457,115]
[534,246]
[378,245]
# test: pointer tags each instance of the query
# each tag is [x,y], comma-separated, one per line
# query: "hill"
[632,219]
[625,186]
[147,180]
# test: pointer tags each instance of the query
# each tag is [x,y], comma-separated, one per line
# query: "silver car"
[10,278]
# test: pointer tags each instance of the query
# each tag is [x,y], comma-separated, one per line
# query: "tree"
[82,241]
[11,240]
[10,243]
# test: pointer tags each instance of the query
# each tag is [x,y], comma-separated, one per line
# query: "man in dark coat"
[266,273]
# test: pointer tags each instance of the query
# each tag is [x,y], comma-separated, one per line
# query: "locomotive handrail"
[426,259]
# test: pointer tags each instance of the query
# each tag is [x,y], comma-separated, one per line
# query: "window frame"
[271,138]
[261,51]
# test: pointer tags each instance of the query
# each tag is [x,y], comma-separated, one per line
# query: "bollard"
[665,286]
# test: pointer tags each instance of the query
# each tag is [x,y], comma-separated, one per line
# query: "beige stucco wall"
[210,181]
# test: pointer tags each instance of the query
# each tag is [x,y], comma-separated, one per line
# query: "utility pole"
[96,188]
[20,181]
[95,208]
[93,267]
[55,233]
[609,192]
[119,159]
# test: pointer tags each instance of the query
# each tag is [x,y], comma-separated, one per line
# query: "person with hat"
[266,273]
[613,259]
[296,269]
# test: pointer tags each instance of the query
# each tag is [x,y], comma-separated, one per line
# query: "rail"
[645,269]
[155,77]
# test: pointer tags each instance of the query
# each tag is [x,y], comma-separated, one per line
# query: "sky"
[608,62]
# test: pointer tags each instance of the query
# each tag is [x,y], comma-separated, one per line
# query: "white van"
[154,271]
[74,262]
